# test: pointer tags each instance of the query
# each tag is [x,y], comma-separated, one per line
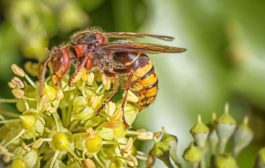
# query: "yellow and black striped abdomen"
[144,82]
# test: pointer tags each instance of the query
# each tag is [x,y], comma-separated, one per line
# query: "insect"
[120,58]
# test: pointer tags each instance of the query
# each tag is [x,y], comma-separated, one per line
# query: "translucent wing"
[121,46]
[137,35]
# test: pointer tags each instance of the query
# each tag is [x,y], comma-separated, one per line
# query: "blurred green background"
[224,63]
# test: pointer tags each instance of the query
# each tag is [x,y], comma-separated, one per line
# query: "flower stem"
[8,100]
[30,81]
[46,139]
[97,159]
[15,138]
[74,155]
[202,163]
[132,133]
[80,134]
[55,117]
[9,114]
[141,157]
[9,121]
[54,158]
[222,145]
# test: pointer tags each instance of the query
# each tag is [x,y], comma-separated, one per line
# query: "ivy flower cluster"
[62,128]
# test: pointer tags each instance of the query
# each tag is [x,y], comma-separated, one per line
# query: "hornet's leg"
[78,69]
[42,74]
[108,98]
[127,87]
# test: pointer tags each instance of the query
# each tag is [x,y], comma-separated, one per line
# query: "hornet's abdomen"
[144,81]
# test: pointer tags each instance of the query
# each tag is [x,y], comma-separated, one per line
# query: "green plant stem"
[141,157]
[97,159]
[30,81]
[222,145]
[8,100]
[9,121]
[132,133]
[68,116]
[9,114]
[75,156]
[56,119]
[54,158]
[202,163]
[166,160]
[15,138]
[195,165]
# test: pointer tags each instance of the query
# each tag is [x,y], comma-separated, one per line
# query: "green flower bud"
[192,154]
[242,137]
[224,161]
[260,161]
[225,127]
[200,132]
[28,120]
[161,150]
[173,143]
[18,163]
[94,144]
[61,141]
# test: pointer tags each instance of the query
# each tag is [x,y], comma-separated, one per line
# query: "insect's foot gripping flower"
[61,128]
